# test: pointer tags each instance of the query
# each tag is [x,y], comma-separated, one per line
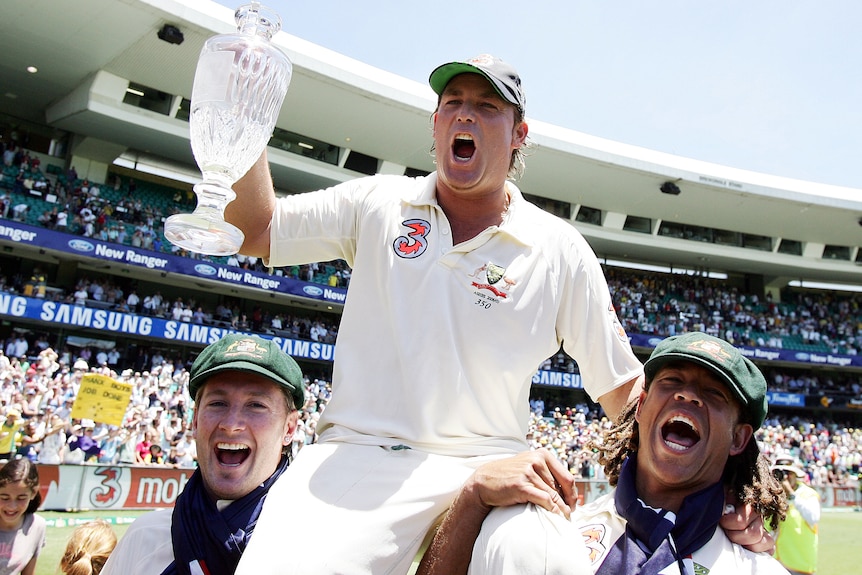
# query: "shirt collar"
[428,197]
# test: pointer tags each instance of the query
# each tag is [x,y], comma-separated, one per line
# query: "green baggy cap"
[248,354]
[742,377]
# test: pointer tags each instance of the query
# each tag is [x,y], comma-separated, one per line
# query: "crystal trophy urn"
[239,86]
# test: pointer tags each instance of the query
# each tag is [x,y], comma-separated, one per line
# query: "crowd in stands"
[652,303]
[666,304]
[37,396]
[659,304]
[109,293]
[116,213]
[632,293]
[647,303]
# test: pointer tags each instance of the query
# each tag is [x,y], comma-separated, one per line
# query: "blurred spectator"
[8,432]
[53,441]
[155,455]
[796,537]
[82,446]
[88,548]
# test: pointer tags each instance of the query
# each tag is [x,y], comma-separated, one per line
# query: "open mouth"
[232,453]
[464,147]
[680,433]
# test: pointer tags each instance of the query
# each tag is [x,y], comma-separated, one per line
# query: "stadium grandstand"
[96,137]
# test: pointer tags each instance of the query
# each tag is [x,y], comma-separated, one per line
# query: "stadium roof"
[88,51]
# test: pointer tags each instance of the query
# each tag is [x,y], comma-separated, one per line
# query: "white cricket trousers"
[351,509]
[529,540]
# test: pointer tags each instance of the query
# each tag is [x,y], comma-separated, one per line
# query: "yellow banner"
[101,398]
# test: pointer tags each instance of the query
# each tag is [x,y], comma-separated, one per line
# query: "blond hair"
[88,548]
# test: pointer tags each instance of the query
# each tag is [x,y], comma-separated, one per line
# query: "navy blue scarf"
[212,538]
[655,538]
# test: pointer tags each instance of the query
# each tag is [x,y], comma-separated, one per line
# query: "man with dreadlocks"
[683,447]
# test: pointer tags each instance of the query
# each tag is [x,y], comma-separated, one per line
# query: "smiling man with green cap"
[247,393]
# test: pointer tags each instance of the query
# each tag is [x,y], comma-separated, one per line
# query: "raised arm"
[253,207]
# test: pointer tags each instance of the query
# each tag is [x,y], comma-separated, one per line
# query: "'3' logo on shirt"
[414,243]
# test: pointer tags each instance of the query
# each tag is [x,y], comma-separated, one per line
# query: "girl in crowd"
[22,532]
[88,548]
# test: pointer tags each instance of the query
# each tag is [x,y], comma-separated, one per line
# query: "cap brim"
[244,367]
[442,75]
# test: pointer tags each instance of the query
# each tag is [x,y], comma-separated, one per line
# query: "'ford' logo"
[802,356]
[205,270]
[81,245]
[313,291]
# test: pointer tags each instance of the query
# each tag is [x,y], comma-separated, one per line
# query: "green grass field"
[839,554]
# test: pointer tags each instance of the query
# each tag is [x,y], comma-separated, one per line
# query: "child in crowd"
[155,456]
[22,532]
[88,548]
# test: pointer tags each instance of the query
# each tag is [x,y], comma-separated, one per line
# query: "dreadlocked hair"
[617,443]
[749,478]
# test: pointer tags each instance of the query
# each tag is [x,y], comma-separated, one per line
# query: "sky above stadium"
[772,86]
